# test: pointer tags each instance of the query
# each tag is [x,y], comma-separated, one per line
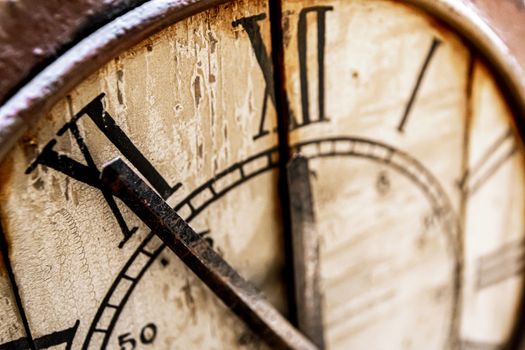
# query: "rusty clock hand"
[237,293]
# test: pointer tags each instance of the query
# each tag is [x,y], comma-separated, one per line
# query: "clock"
[243,174]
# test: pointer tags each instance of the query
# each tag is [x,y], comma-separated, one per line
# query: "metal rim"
[40,94]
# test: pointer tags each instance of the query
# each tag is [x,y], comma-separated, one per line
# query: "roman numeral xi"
[88,172]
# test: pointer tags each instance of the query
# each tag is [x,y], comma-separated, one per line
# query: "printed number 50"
[147,336]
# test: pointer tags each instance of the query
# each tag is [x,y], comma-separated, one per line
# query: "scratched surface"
[189,99]
[11,326]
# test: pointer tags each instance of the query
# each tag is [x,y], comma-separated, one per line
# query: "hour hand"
[239,295]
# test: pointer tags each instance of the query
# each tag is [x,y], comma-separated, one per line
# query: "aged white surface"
[190,99]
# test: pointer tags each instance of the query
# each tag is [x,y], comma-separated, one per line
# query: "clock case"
[108,30]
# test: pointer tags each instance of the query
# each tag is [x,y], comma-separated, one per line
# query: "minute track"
[241,296]
[241,172]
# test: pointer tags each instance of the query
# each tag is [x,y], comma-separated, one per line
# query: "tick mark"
[435,44]
[504,263]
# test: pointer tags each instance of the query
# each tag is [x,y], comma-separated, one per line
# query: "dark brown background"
[507,17]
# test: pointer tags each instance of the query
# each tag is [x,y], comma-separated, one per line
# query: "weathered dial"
[400,226]
[79,255]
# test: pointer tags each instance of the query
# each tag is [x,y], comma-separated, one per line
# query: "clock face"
[410,157]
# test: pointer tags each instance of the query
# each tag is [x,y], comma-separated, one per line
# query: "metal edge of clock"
[38,96]
[464,20]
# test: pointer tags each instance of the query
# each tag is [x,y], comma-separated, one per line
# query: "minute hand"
[305,241]
[239,295]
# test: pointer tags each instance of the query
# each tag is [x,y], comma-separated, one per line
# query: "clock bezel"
[37,97]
